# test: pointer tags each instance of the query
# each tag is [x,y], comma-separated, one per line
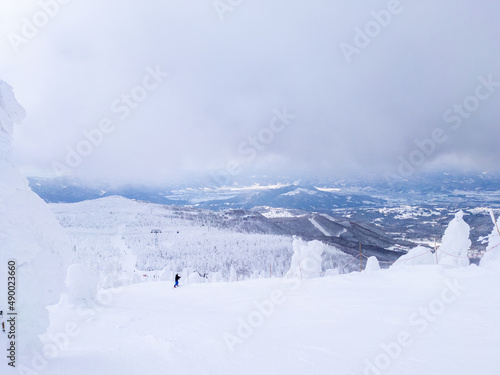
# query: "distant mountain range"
[291,196]
[386,219]
[309,195]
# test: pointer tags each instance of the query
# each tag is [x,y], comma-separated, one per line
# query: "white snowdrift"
[331,272]
[81,283]
[419,255]
[195,277]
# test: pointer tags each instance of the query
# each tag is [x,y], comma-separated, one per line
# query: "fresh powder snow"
[394,321]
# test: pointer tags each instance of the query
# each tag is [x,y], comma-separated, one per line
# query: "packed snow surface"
[417,320]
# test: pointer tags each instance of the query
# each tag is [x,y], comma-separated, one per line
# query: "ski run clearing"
[319,227]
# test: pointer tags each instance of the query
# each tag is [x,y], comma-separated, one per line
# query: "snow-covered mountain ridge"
[416,210]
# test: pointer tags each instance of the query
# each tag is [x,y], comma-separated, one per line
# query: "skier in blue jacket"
[177,277]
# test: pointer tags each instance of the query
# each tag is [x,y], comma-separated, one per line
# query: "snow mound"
[216,277]
[29,234]
[195,278]
[372,264]
[491,259]
[332,272]
[306,259]
[455,243]
[167,274]
[81,283]
[419,255]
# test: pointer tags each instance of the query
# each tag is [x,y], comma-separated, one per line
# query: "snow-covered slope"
[413,321]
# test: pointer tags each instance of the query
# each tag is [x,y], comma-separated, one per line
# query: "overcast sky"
[349,102]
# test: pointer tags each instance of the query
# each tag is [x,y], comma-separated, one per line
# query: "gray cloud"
[227,77]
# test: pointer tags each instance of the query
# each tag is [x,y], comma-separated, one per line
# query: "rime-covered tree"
[29,234]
